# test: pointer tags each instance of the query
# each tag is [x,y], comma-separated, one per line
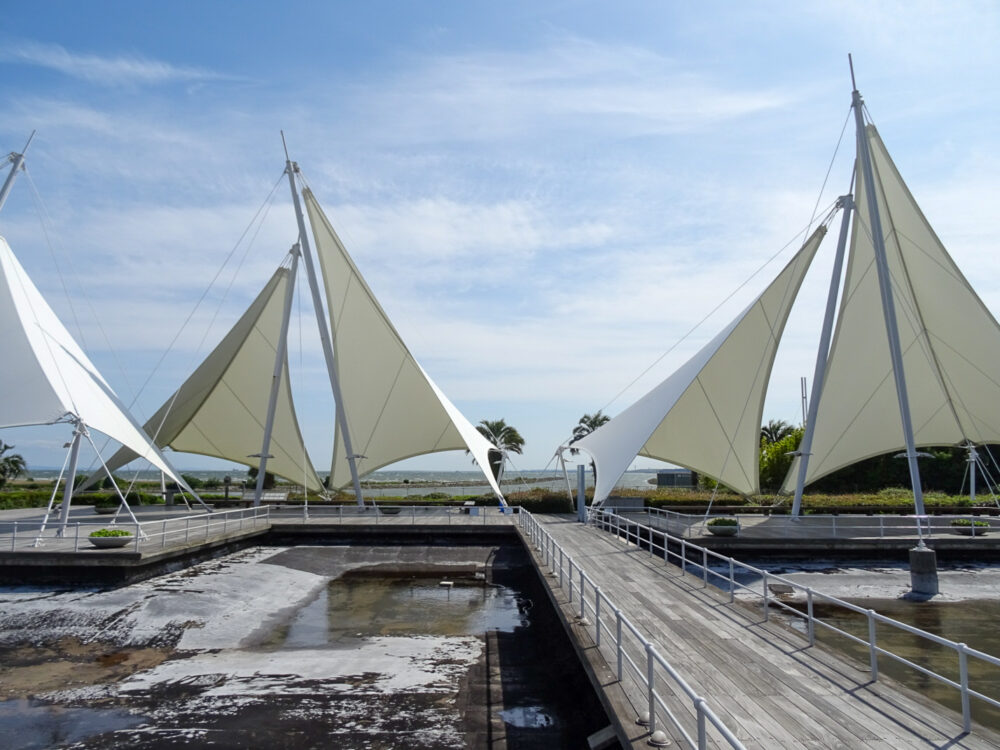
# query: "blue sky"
[545,196]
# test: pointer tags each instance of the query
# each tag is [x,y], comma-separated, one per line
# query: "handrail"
[830,526]
[641,667]
[632,531]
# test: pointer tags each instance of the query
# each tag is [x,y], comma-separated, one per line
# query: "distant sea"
[418,482]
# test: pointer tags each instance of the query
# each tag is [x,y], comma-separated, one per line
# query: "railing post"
[561,567]
[163,534]
[618,641]
[834,521]
[583,598]
[187,527]
[138,533]
[597,614]
[963,678]
[570,576]
[651,685]
[704,566]
[810,624]
[700,707]
[683,556]
[76,541]
[763,579]
[872,648]
[881,526]
[732,582]
[13,538]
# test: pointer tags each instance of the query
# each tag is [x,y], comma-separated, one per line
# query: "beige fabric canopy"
[949,339]
[707,414]
[393,409]
[219,410]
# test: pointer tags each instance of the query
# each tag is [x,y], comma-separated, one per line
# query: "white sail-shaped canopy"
[219,410]
[707,414]
[950,342]
[47,378]
[393,409]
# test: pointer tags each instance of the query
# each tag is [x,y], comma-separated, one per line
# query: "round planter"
[723,530]
[108,542]
[105,510]
[967,530]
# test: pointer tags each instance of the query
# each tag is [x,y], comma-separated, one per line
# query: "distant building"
[676,478]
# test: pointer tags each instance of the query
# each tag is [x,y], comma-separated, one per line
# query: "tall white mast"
[888,306]
[291,168]
[17,161]
[279,368]
[846,203]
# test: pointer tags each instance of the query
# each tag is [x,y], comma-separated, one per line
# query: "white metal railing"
[636,658]
[144,535]
[826,526]
[687,555]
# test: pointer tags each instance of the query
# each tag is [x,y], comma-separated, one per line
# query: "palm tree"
[775,430]
[506,439]
[587,424]
[10,466]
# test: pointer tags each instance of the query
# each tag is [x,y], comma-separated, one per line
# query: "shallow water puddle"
[30,725]
[363,606]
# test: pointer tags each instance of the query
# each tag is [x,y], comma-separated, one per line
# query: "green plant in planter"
[724,522]
[968,523]
[111,532]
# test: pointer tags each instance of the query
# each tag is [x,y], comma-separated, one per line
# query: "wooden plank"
[761,678]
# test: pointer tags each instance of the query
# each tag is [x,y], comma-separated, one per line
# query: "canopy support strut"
[279,368]
[846,202]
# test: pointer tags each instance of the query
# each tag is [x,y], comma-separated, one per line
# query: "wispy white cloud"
[101,70]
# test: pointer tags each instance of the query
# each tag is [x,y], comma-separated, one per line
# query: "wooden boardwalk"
[759,677]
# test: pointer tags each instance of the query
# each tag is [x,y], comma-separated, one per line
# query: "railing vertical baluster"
[700,707]
[872,647]
[763,579]
[597,614]
[810,623]
[618,641]
[651,685]
[963,678]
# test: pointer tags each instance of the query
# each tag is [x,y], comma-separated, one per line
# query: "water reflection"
[356,606]
[970,622]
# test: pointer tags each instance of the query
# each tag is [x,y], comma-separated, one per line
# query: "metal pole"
[17,165]
[279,368]
[74,454]
[846,202]
[888,306]
[291,168]
[973,457]
[581,497]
